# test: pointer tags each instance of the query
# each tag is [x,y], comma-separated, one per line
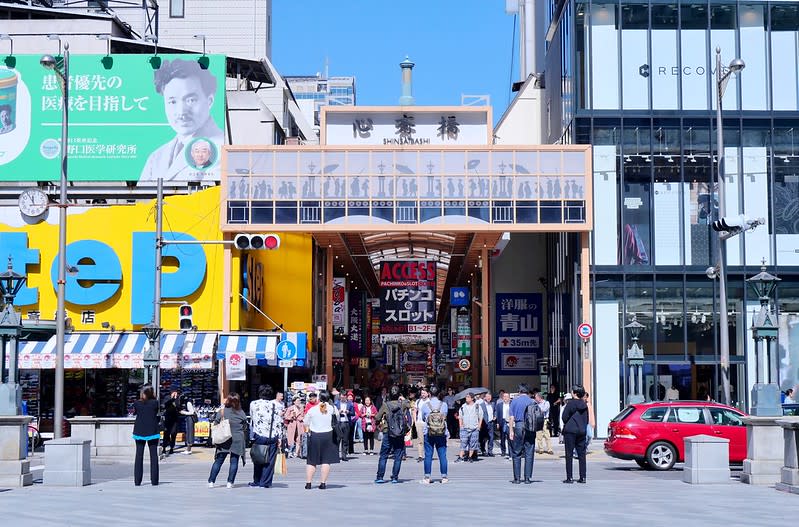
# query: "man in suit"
[188,92]
[487,433]
[502,414]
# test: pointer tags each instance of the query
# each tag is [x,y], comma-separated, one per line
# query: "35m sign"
[408,296]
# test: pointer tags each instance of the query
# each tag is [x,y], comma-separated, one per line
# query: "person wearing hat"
[312,401]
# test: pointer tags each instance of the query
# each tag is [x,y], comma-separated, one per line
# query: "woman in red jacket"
[366,413]
[292,418]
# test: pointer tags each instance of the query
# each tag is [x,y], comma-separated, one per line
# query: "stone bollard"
[789,475]
[67,462]
[14,465]
[763,451]
[707,460]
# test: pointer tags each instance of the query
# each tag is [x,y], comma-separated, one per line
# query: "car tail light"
[623,432]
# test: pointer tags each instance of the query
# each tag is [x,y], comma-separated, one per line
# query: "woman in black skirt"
[322,447]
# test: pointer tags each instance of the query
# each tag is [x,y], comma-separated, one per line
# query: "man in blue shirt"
[522,442]
[434,442]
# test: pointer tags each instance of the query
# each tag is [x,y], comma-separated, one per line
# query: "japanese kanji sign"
[339,305]
[519,332]
[128,120]
[408,297]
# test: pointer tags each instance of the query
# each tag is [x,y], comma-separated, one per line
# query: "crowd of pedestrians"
[323,429]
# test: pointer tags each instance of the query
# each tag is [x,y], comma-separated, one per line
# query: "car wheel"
[661,456]
[643,463]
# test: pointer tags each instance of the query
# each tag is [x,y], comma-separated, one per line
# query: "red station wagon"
[652,434]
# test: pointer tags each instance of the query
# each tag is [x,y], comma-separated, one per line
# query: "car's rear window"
[623,415]
[655,415]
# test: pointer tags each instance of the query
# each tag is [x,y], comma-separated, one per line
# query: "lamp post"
[152,358]
[765,392]
[50,63]
[10,328]
[722,78]
[635,363]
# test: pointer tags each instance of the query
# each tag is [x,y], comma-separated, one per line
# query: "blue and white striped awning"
[120,350]
[255,347]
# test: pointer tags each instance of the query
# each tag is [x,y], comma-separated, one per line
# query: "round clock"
[33,202]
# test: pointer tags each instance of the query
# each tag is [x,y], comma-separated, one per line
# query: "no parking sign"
[585,330]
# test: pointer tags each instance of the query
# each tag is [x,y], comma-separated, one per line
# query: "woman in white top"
[322,447]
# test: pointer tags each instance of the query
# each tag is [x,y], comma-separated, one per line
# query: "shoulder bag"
[220,432]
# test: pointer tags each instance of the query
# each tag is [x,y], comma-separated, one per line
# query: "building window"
[176,8]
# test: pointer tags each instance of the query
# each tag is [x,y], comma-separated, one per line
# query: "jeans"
[394,446]
[138,464]
[522,444]
[217,466]
[574,442]
[439,443]
[357,434]
[262,474]
[503,438]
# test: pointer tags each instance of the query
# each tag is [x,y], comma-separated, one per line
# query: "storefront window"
[604,57]
[640,304]
[754,85]
[670,316]
[635,238]
[701,200]
[784,23]
[635,57]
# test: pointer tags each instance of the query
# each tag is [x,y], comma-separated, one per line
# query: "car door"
[685,421]
[729,425]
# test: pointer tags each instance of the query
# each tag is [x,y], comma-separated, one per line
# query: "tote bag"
[221,432]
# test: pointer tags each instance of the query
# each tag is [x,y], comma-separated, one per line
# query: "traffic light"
[268,241]
[736,224]
[186,322]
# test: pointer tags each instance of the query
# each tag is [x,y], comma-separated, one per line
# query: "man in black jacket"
[171,416]
[575,423]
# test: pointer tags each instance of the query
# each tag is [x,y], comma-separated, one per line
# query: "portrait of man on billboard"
[189,93]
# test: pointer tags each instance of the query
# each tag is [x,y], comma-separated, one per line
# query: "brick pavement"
[618,493]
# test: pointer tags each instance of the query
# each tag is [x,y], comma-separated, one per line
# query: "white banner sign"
[235,366]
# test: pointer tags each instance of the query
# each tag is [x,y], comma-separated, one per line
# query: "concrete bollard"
[707,460]
[67,462]
[789,475]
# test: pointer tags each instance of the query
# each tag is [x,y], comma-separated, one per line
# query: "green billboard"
[130,118]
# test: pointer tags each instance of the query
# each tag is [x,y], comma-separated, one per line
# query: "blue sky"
[459,46]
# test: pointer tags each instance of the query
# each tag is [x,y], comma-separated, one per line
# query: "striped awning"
[120,350]
[255,347]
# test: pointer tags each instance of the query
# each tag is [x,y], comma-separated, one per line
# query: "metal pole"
[159,237]
[285,381]
[60,318]
[724,327]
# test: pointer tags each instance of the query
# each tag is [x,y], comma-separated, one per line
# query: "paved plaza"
[617,493]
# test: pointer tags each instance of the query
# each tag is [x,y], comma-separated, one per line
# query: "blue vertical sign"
[519,321]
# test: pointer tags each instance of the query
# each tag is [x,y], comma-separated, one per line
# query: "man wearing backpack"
[434,426]
[395,422]
[522,441]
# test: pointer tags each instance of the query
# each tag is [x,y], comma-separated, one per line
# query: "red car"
[652,434]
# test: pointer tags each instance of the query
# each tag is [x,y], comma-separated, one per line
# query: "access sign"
[585,330]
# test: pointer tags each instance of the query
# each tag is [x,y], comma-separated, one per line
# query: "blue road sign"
[286,350]
[459,296]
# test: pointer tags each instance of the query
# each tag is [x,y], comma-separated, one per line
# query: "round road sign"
[585,330]
[286,350]
[464,364]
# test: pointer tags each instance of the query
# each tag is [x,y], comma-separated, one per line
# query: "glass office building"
[637,81]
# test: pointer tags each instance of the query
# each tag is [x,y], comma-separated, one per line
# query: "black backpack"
[397,422]
[533,418]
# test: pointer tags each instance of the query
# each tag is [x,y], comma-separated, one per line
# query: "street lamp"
[10,328]
[50,63]
[153,356]
[722,78]
[765,393]
[635,363]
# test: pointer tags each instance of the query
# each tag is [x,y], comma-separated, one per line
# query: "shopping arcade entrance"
[364,203]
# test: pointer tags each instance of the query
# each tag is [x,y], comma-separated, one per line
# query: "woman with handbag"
[322,445]
[145,432]
[234,446]
[366,414]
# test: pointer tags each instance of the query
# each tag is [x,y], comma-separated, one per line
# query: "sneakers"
[229,485]
[507,457]
[444,480]
[394,481]
[380,481]
[458,460]
[425,481]
[210,485]
[187,452]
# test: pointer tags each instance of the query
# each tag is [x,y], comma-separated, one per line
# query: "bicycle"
[34,437]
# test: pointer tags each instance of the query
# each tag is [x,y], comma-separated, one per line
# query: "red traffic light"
[185,311]
[271,241]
